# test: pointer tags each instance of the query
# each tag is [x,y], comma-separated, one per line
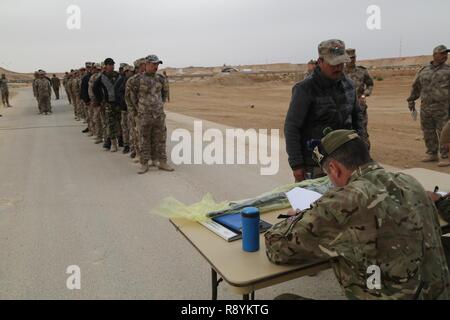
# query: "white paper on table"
[442,193]
[302,199]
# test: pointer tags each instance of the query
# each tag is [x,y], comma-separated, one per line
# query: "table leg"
[214,284]
[250,296]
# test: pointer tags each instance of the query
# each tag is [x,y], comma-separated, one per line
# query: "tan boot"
[430,158]
[444,163]
[114,147]
[153,163]
[98,140]
[164,166]
[144,168]
[136,160]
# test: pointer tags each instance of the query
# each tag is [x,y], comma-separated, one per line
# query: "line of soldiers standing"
[124,109]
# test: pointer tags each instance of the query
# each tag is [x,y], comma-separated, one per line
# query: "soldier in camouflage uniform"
[36,76]
[75,90]
[149,94]
[43,93]
[4,91]
[133,82]
[64,82]
[432,85]
[364,86]
[312,64]
[372,218]
[128,71]
[95,105]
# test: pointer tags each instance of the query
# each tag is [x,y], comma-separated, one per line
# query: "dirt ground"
[396,139]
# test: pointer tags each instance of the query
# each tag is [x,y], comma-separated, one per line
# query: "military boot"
[144,168]
[164,166]
[133,154]
[430,158]
[98,140]
[120,140]
[126,150]
[153,163]
[85,130]
[107,144]
[114,147]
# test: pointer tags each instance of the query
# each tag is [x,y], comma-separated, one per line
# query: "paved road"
[64,201]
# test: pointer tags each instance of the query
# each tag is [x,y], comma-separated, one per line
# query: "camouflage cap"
[97,65]
[333,52]
[41,72]
[332,141]
[441,49]
[351,52]
[128,68]
[312,61]
[153,59]
[123,65]
[88,64]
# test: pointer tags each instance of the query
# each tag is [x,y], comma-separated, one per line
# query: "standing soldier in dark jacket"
[104,91]
[327,98]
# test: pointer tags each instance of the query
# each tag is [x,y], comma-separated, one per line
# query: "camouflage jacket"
[56,83]
[379,219]
[432,85]
[151,91]
[92,80]
[43,88]
[76,87]
[132,92]
[363,81]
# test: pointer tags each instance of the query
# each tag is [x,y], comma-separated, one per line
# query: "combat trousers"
[365,122]
[125,128]
[153,134]
[113,114]
[56,90]
[75,106]
[44,104]
[5,97]
[133,122]
[98,121]
[69,97]
[432,119]
[91,122]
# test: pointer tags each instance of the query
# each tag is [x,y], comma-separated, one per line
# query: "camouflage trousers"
[125,128]
[113,115]
[56,90]
[152,137]
[432,120]
[44,104]
[69,96]
[5,97]
[365,122]
[134,133]
[98,126]
[90,117]
[75,103]
[81,109]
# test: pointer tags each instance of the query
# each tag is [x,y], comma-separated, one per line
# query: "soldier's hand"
[362,100]
[299,174]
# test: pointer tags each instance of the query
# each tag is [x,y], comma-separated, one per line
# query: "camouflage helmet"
[128,68]
[332,141]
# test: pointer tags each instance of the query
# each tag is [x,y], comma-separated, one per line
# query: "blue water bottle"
[250,229]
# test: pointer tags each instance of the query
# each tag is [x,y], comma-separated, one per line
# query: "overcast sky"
[34,34]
